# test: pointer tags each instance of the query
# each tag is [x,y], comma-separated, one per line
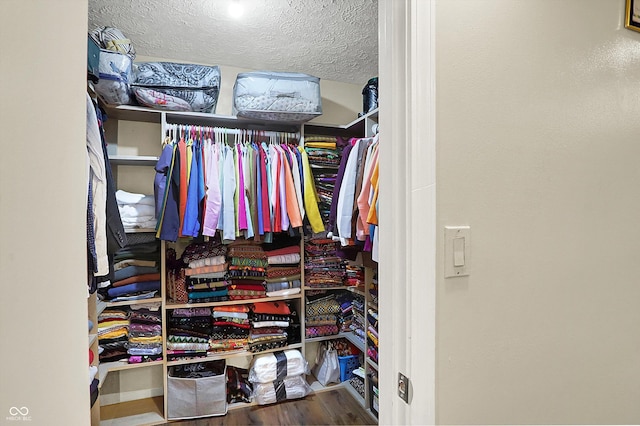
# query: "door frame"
[407,264]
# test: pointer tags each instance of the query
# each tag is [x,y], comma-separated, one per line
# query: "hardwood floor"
[332,407]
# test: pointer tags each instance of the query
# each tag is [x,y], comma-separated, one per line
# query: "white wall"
[43,314]
[537,150]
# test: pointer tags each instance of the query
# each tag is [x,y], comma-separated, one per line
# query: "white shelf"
[230,302]
[213,356]
[372,363]
[107,367]
[355,394]
[139,230]
[136,419]
[325,288]
[318,387]
[353,339]
[101,305]
[133,160]
[150,115]
[134,302]
[322,338]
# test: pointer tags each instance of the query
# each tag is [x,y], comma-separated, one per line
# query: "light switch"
[458,251]
[456,247]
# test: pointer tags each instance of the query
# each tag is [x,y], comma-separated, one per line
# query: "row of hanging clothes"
[353,217]
[243,183]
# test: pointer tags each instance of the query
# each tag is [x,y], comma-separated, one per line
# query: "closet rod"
[230,131]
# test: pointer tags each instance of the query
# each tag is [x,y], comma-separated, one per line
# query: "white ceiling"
[331,39]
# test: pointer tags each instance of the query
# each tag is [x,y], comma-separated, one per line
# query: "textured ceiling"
[331,39]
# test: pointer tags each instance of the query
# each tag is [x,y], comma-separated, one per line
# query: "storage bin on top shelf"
[277,96]
[177,87]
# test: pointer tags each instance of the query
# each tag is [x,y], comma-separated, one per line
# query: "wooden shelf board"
[318,387]
[353,339]
[147,411]
[134,302]
[372,363]
[133,160]
[355,394]
[356,290]
[231,354]
[101,305]
[230,302]
[150,115]
[139,230]
[92,338]
[326,288]
[107,367]
[322,338]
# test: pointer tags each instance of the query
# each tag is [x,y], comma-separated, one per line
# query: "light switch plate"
[457,242]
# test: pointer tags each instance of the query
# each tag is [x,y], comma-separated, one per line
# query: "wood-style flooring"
[332,407]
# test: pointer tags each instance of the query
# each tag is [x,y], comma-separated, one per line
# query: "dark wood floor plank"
[333,407]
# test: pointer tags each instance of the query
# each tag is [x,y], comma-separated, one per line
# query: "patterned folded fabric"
[245,285]
[323,330]
[284,250]
[223,345]
[260,346]
[323,307]
[283,259]
[282,284]
[282,271]
[188,346]
[205,269]
[194,295]
[203,250]
[329,319]
[247,250]
[192,312]
[232,308]
[240,261]
[145,317]
[226,314]
[246,294]
[209,261]
[261,324]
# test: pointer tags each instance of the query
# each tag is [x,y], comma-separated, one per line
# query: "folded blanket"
[285,292]
[134,270]
[278,308]
[137,279]
[283,259]
[124,197]
[209,261]
[133,211]
[321,330]
[133,288]
[206,269]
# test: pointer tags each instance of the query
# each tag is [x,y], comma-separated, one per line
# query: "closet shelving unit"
[360,127]
[365,126]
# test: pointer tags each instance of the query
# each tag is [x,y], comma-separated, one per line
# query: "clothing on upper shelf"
[136,210]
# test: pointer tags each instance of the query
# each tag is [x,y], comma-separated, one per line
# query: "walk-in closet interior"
[234,144]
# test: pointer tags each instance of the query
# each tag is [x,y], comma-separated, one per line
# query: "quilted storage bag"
[114,77]
[177,87]
[278,96]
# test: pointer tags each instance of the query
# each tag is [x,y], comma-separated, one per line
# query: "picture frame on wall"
[632,15]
